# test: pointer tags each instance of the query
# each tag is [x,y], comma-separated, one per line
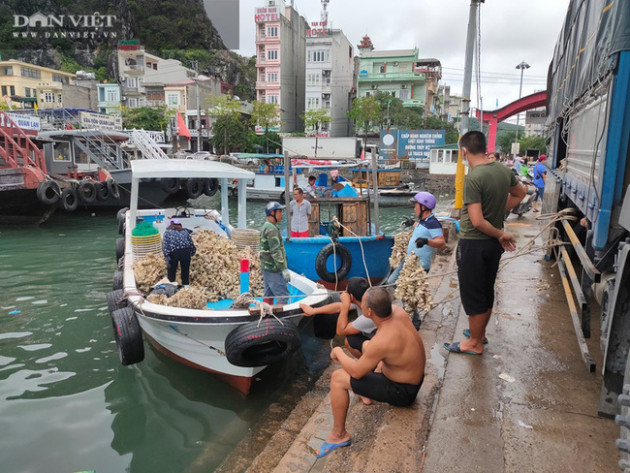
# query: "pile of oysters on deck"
[214,273]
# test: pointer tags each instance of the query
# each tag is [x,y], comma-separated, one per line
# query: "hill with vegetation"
[178,29]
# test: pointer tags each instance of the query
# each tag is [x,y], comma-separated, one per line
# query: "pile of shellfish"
[399,250]
[412,287]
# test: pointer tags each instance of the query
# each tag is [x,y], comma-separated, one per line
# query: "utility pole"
[196,66]
[522,66]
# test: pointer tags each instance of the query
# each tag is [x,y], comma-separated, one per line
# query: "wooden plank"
[313,222]
[586,356]
[588,266]
[579,294]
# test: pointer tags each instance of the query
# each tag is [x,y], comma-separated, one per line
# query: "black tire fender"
[48,192]
[128,336]
[115,300]
[170,185]
[120,248]
[112,188]
[69,199]
[322,257]
[210,187]
[117,282]
[120,218]
[250,345]
[87,192]
[102,191]
[194,188]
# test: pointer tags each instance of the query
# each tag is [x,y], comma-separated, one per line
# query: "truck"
[588,135]
[312,147]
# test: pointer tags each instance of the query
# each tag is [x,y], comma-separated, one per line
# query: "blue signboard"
[414,145]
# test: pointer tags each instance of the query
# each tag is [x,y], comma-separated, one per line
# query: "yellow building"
[22,85]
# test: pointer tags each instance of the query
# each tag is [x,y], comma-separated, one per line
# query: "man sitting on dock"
[359,330]
[398,352]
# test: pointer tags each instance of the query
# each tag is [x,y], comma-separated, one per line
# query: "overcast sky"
[511,31]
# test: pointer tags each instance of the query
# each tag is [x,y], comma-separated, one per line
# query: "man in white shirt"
[300,213]
[309,189]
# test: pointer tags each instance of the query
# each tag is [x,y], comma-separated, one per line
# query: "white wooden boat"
[198,337]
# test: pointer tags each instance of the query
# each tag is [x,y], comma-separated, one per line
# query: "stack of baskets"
[246,238]
[145,239]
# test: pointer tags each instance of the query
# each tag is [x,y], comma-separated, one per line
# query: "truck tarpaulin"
[585,51]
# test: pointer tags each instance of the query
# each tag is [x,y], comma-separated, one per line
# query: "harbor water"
[66,402]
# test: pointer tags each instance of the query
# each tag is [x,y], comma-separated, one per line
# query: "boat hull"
[302,254]
[19,205]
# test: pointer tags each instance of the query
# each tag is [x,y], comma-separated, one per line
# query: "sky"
[511,31]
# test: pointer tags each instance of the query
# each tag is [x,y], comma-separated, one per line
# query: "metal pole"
[375,184]
[287,193]
[198,106]
[522,66]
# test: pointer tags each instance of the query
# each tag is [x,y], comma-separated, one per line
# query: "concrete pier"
[527,405]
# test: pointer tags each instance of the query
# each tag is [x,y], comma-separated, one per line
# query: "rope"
[367,273]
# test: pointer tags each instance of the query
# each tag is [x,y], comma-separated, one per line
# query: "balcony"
[133,69]
[392,77]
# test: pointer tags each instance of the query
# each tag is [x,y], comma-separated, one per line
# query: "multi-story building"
[330,78]
[447,106]
[280,61]
[23,85]
[432,70]
[108,98]
[392,72]
[136,68]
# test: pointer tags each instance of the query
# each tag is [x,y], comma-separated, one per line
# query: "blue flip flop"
[328,447]
[456,348]
[466,333]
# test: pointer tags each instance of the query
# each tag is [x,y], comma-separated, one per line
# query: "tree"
[229,129]
[266,115]
[533,142]
[505,140]
[146,118]
[314,118]
[365,114]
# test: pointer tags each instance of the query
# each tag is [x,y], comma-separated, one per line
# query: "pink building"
[280,61]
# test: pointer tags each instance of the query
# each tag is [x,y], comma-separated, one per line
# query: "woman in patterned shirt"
[178,248]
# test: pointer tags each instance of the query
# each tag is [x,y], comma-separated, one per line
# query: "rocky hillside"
[84,35]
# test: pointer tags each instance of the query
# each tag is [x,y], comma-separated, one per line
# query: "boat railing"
[16,147]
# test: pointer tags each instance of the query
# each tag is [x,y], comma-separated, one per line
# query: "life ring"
[48,192]
[102,191]
[170,185]
[69,199]
[115,300]
[341,253]
[210,187]
[128,336]
[250,345]
[112,187]
[194,188]
[87,192]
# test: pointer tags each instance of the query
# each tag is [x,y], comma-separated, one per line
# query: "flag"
[35,107]
[181,127]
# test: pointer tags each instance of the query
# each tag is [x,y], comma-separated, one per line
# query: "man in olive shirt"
[490,190]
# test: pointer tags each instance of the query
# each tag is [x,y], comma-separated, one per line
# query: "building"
[432,70]
[447,106]
[82,92]
[392,72]
[108,98]
[535,122]
[330,78]
[23,85]
[281,61]
[138,68]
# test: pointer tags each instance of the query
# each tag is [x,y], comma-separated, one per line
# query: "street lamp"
[522,66]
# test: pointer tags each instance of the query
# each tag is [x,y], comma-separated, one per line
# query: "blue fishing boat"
[341,246]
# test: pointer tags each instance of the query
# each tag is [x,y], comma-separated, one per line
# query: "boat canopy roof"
[186,168]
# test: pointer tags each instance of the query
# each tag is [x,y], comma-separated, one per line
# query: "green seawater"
[66,402]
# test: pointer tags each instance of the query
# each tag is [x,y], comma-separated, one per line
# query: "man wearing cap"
[178,248]
[427,235]
[540,177]
[273,257]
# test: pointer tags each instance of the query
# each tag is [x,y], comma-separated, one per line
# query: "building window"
[132,82]
[272,31]
[4,90]
[367,94]
[133,103]
[272,77]
[272,99]
[60,78]
[172,99]
[313,79]
[321,55]
[273,55]
[394,94]
[30,72]
[6,71]
[12,90]
[404,94]
[27,91]
[49,97]
[382,68]
[112,96]
[59,98]
[312,103]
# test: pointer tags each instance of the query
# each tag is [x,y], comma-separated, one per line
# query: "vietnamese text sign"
[410,144]
[28,123]
[266,14]
[100,121]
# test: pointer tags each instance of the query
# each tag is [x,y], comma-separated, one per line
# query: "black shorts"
[378,387]
[477,266]
[356,340]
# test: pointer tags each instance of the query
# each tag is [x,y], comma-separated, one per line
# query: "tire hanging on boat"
[69,199]
[170,185]
[48,192]
[118,280]
[250,345]
[120,248]
[210,187]
[342,253]
[128,336]
[115,300]
[194,188]
[87,192]
[120,217]
[112,187]
[102,191]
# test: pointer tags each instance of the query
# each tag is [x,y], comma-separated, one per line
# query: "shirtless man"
[396,349]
